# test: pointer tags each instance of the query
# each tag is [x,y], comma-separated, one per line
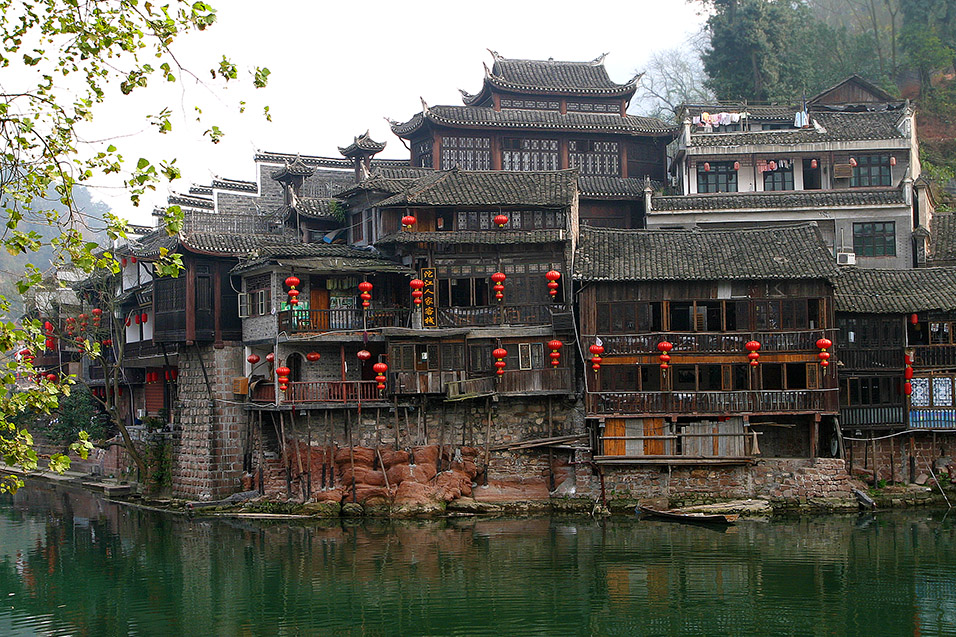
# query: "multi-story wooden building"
[539,115]
[704,298]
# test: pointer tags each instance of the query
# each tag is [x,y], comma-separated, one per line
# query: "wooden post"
[814,435]
[298,452]
[308,424]
[395,404]
[287,462]
[875,465]
[550,448]
[262,456]
[912,459]
[488,440]
[348,428]
[892,460]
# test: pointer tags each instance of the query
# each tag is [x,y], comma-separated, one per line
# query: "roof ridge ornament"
[599,60]
[637,78]
[495,55]
[425,109]
[487,70]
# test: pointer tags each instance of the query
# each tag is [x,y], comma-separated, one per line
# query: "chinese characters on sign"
[429,299]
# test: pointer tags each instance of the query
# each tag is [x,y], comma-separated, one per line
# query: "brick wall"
[211,429]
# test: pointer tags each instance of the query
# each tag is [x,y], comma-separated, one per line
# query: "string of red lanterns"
[499,285]
[552,276]
[664,347]
[824,355]
[380,378]
[282,375]
[366,293]
[292,281]
[596,351]
[416,285]
[555,347]
[908,375]
[752,347]
[499,354]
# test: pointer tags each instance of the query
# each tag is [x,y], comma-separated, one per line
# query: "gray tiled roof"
[552,189]
[792,199]
[869,291]
[614,187]
[779,112]
[839,127]
[793,252]
[149,245]
[317,208]
[481,116]
[942,246]
[485,237]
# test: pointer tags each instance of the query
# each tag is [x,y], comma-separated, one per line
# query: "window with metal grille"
[871,170]
[529,154]
[467,153]
[875,239]
[595,157]
[721,177]
[779,179]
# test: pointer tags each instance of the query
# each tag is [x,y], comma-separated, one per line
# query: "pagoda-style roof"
[548,189]
[942,244]
[362,145]
[478,117]
[295,168]
[793,252]
[549,77]
[872,291]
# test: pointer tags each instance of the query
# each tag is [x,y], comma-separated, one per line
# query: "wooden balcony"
[712,342]
[146,349]
[470,388]
[536,381]
[321,391]
[872,416]
[489,315]
[934,356]
[932,418]
[298,321]
[714,402]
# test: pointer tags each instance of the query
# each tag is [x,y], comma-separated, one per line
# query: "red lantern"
[772,165]
[814,164]
[664,347]
[283,371]
[706,166]
[253,359]
[50,344]
[500,220]
[138,319]
[51,378]
[853,161]
[408,221]
[166,374]
[824,343]
[908,373]
[908,388]
[174,374]
[292,281]
[364,354]
[914,319]
[752,347]
[145,317]
[379,368]
[133,259]
[313,356]
[97,312]
[596,363]
[417,296]
[48,326]
[270,357]
[554,346]
[123,261]
[366,299]
[892,161]
[365,286]
[736,165]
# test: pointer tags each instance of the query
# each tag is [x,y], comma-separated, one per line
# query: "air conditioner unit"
[846,258]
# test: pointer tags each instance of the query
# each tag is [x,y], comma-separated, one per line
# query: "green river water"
[74,564]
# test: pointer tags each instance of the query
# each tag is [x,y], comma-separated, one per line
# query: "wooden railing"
[934,355]
[713,402]
[321,391]
[860,359]
[142,349]
[715,342]
[470,387]
[341,319]
[871,416]
[539,314]
[925,418]
[535,380]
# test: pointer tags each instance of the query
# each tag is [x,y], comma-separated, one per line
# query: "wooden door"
[614,427]
[654,427]
[319,302]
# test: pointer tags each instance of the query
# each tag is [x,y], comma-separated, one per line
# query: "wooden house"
[540,115]
[458,230]
[897,348]
[704,299]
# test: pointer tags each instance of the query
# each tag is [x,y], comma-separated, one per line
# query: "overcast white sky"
[341,68]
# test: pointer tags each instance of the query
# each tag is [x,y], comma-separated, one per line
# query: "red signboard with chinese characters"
[429,299]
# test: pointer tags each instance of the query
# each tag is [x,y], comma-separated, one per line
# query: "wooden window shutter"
[726,377]
[243,305]
[813,376]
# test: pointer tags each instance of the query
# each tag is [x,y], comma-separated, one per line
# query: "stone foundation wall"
[895,456]
[783,481]
[211,427]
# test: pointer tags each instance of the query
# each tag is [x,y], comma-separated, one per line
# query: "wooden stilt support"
[262,457]
[286,460]
[912,459]
[551,485]
[876,468]
[348,429]
[488,441]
